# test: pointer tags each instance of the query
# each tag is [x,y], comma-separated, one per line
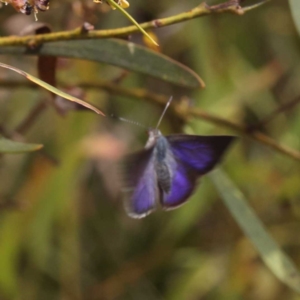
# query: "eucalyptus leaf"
[119,53]
[270,252]
[12,147]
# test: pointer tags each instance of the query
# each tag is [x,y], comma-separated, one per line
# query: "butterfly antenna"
[163,113]
[128,121]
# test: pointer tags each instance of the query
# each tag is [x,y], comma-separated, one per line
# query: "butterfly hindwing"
[182,186]
[141,192]
[194,156]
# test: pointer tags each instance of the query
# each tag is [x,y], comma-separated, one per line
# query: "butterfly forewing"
[141,191]
[201,153]
[194,156]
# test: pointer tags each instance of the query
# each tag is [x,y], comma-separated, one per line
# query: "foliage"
[64,233]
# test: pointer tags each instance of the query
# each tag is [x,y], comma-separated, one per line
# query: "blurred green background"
[63,230]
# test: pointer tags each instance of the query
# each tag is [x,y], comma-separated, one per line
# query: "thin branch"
[186,113]
[202,10]
[30,119]
[254,135]
[281,109]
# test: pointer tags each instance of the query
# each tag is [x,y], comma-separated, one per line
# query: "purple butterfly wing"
[201,153]
[141,192]
[183,185]
[195,156]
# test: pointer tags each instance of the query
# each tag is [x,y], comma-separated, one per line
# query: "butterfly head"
[154,134]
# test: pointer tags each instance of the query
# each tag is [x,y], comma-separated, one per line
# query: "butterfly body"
[167,169]
[164,163]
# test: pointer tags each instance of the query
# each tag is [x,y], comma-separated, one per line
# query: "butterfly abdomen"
[163,177]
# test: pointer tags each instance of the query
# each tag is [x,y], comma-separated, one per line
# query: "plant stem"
[202,10]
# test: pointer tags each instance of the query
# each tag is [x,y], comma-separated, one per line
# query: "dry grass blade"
[53,89]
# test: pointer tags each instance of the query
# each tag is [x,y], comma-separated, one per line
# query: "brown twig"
[283,108]
[254,135]
[30,119]
[186,113]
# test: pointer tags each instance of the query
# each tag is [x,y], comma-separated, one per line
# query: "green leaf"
[119,53]
[295,8]
[12,147]
[279,263]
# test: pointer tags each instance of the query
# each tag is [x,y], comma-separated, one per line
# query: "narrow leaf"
[119,53]
[52,88]
[12,147]
[279,263]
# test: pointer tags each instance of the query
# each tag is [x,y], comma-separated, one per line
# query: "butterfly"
[167,170]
